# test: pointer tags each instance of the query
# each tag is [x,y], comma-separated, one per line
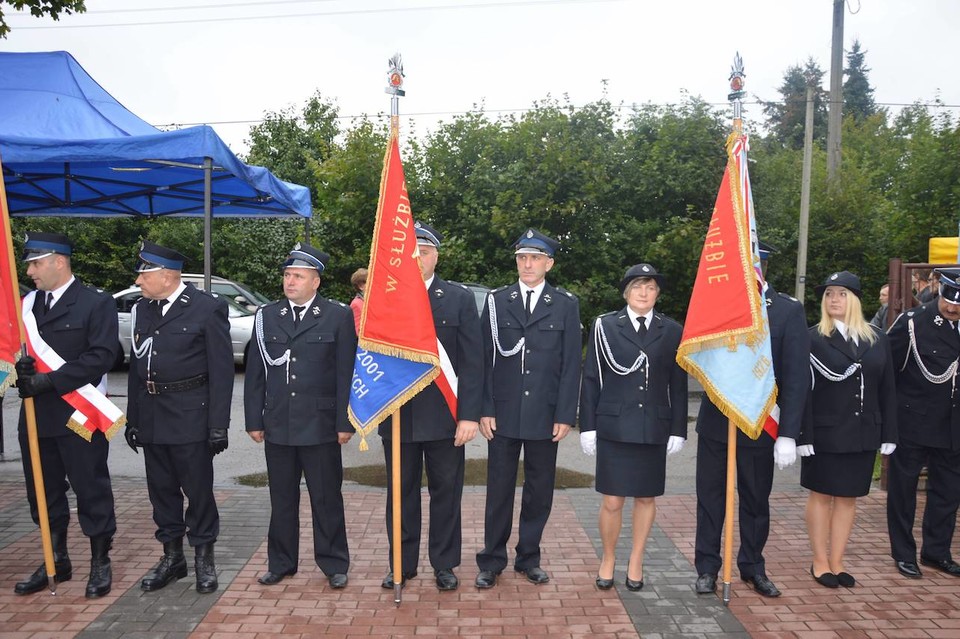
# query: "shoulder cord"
[146,347]
[279,361]
[949,374]
[492,305]
[603,348]
[832,376]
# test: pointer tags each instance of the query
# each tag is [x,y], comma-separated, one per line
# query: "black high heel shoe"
[633,586]
[604,584]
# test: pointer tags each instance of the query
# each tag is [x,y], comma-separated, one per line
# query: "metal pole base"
[397,589]
[726,594]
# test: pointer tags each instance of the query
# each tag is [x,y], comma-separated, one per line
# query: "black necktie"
[642,326]
[157,306]
[47,303]
[296,315]
[852,346]
[526,306]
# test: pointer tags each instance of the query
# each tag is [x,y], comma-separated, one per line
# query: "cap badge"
[416,225]
[645,269]
[297,247]
[529,233]
[834,276]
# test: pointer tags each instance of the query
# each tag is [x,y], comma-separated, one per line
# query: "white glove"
[806,450]
[887,449]
[588,442]
[675,444]
[784,452]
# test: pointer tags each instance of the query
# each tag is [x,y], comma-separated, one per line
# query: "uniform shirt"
[537,291]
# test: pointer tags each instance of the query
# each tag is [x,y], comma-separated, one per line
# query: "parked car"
[240,317]
[228,288]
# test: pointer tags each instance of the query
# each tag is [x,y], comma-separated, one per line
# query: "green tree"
[857,93]
[39,9]
[786,119]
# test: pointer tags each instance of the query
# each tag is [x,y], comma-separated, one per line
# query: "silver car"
[241,323]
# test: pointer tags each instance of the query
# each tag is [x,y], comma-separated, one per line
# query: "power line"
[192,7]
[474,5]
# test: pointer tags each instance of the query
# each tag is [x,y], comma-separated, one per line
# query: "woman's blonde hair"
[853,318]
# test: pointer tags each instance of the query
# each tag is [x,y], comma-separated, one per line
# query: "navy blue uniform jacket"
[929,414]
[311,407]
[834,421]
[427,416]
[528,401]
[193,338]
[82,328]
[790,348]
[635,408]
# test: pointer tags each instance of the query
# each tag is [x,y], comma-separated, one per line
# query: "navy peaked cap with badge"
[641,270]
[533,241]
[949,284]
[765,250]
[426,234]
[846,279]
[37,245]
[153,257]
[306,256]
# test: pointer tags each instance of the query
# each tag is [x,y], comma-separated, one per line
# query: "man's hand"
[466,431]
[785,452]
[217,440]
[33,385]
[343,438]
[25,366]
[256,435]
[560,431]
[132,434]
[487,427]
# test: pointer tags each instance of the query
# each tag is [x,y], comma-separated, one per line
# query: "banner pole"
[28,405]
[728,517]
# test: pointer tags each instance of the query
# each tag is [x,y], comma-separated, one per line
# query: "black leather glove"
[33,385]
[132,434]
[26,366]
[218,440]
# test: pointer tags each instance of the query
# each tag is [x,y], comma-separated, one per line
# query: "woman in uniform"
[851,413]
[633,412]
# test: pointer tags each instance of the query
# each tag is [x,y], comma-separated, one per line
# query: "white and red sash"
[93,411]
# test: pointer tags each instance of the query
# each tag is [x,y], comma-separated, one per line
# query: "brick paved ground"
[882,605]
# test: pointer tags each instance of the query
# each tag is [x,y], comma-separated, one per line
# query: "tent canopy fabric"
[70,149]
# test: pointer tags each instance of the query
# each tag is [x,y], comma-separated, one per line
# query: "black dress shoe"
[446,580]
[909,569]
[762,585]
[706,583]
[38,580]
[827,579]
[486,579]
[270,578]
[338,581]
[604,584]
[846,579]
[948,566]
[535,575]
[634,586]
[387,583]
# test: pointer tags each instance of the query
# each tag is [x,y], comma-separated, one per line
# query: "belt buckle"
[152,387]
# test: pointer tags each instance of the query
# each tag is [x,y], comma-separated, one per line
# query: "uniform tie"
[297,310]
[47,302]
[526,306]
[852,346]
[642,327]
[157,306]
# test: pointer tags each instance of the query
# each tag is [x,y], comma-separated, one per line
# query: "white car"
[241,323]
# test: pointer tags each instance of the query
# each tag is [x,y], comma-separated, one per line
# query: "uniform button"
[293,359]
[526,392]
[156,332]
[640,387]
[154,352]
[528,351]
[293,377]
[293,393]
[857,413]
[527,372]
[640,405]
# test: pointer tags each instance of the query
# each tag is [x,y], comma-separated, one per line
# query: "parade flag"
[9,295]
[397,352]
[726,335]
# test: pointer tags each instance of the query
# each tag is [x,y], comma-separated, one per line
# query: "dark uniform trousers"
[82,328]
[191,339]
[301,406]
[790,348]
[526,402]
[427,432]
[929,423]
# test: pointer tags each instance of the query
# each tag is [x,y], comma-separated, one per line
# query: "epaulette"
[560,289]
[789,297]
[339,303]
[463,286]
[502,288]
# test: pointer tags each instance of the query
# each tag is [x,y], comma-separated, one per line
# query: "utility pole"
[805,196]
[835,117]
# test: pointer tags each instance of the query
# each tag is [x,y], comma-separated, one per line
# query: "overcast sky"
[228,65]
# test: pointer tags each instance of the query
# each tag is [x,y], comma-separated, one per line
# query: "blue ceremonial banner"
[378,379]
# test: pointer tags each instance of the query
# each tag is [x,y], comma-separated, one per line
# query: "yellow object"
[943,250]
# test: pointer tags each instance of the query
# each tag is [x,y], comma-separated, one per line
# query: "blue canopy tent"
[70,149]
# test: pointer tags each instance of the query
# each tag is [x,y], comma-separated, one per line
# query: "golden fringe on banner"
[393,406]
[87,434]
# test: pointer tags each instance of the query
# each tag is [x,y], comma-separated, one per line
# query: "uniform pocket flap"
[552,325]
[275,338]
[608,408]
[316,338]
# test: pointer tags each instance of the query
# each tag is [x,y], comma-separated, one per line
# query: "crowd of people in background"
[848,389]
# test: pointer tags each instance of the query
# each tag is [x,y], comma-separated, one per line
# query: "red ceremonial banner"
[9,295]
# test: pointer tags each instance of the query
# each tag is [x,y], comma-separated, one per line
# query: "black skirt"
[838,474]
[631,470]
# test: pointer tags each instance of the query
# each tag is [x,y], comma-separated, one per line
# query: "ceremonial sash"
[93,411]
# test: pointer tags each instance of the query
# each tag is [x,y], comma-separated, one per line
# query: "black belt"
[155,388]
